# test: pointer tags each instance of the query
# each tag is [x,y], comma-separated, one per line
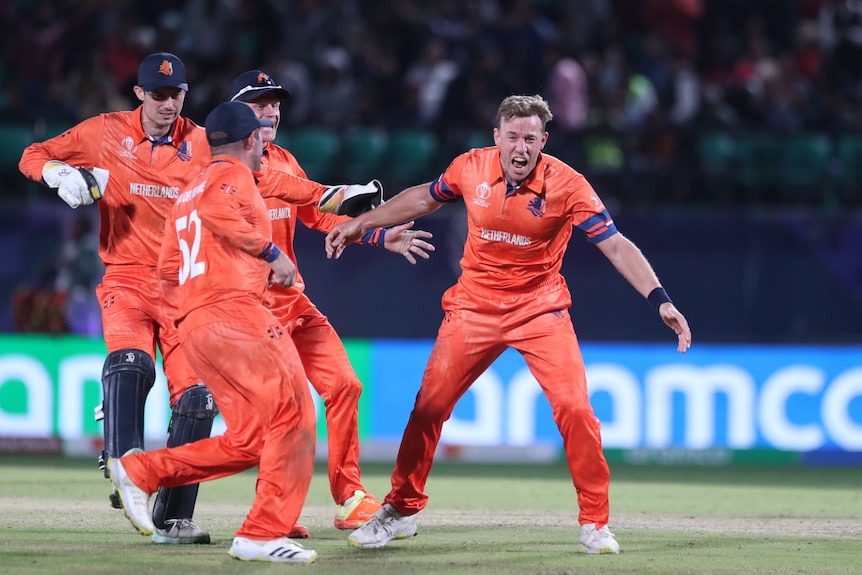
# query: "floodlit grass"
[495,519]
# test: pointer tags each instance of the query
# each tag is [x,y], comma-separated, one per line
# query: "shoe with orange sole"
[356,511]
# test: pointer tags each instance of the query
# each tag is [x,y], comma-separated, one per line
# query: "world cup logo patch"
[483,193]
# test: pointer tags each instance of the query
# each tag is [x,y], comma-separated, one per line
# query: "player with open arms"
[135,163]
[521,207]
[218,250]
[323,355]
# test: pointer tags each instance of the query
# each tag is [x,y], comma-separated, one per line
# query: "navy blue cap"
[252,85]
[232,122]
[160,70]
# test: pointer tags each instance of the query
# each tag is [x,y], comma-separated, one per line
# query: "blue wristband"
[373,237]
[270,253]
[657,297]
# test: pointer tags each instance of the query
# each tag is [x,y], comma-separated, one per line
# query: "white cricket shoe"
[384,526]
[597,541]
[181,531]
[282,550]
[136,502]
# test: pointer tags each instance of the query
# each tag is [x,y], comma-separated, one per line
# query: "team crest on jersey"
[185,151]
[483,192]
[537,206]
[128,148]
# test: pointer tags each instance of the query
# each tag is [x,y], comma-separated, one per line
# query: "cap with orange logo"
[253,84]
[162,69]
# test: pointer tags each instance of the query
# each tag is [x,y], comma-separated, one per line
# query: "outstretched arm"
[405,207]
[631,263]
[408,242]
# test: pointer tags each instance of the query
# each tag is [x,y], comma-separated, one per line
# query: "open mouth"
[519,163]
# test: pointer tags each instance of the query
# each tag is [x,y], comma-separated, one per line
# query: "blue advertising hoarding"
[797,398]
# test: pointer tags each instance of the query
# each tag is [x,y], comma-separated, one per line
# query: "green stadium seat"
[363,152]
[847,153]
[846,169]
[15,138]
[756,160]
[716,152]
[316,149]
[804,161]
[478,139]
[412,156]
[716,157]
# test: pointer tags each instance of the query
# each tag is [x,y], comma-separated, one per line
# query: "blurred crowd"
[654,73]
[776,64]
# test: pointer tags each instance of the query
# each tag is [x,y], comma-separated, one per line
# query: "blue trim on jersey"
[441,192]
[598,227]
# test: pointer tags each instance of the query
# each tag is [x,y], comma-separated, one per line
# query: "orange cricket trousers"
[479,324]
[254,373]
[134,315]
[328,369]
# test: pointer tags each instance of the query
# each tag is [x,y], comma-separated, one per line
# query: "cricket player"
[323,355]
[521,208]
[133,165]
[219,253]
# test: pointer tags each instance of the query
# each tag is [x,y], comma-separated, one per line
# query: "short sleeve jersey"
[215,235]
[146,176]
[517,236]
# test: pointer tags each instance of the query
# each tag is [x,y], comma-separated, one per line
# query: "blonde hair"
[524,107]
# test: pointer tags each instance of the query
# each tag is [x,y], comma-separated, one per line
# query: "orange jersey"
[516,237]
[146,177]
[214,236]
[288,199]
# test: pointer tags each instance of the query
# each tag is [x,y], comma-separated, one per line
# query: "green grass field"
[500,519]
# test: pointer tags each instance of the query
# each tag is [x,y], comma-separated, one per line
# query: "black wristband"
[657,297]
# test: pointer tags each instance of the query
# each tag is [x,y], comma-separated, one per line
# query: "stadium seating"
[756,163]
[15,138]
[716,155]
[716,152]
[846,168]
[803,161]
[316,149]
[363,153]
[478,139]
[411,157]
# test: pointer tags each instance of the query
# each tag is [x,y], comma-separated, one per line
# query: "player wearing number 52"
[134,163]
[218,252]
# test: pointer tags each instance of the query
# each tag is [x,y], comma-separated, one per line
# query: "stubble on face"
[520,139]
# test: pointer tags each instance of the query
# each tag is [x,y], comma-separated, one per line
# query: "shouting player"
[521,207]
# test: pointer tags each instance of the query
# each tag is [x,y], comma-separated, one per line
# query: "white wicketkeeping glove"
[75,186]
[351,200]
